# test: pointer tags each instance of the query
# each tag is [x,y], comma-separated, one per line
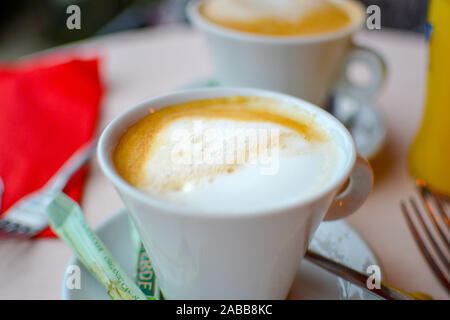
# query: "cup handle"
[376,64]
[358,189]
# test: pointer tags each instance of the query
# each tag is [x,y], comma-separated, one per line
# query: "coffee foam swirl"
[204,152]
[245,10]
[196,151]
[278,17]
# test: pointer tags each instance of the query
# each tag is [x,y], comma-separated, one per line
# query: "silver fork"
[435,238]
[28,216]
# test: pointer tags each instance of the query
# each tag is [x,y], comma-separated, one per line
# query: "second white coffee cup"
[309,67]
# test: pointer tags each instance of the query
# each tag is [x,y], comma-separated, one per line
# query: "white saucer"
[336,240]
[364,121]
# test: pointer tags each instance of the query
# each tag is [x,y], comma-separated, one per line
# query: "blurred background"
[27,26]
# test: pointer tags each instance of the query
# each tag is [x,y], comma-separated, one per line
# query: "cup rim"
[208,26]
[105,148]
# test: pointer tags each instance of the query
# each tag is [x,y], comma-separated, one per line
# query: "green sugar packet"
[146,278]
[145,274]
[67,221]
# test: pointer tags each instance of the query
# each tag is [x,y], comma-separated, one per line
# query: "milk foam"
[229,154]
[282,168]
[247,10]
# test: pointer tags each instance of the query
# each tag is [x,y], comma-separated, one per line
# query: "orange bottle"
[429,156]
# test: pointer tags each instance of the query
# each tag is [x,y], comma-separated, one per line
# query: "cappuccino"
[236,153]
[278,17]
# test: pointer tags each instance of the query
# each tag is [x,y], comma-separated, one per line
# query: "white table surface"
[138,65]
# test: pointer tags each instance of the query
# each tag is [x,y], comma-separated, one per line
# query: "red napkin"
[48,109]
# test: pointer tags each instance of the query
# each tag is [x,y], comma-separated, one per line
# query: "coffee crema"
[234,153]
[277,17]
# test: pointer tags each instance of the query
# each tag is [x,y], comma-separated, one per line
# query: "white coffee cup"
[244,255]
[308,67]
